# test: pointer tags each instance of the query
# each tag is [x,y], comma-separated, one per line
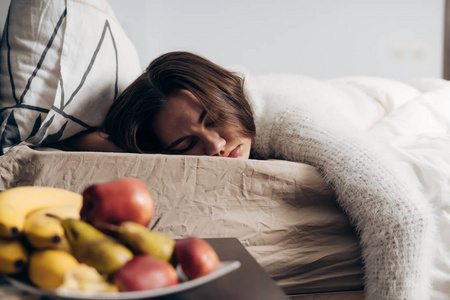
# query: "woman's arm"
[393,221]
[92,141]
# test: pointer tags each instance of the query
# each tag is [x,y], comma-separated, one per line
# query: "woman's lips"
[236,152]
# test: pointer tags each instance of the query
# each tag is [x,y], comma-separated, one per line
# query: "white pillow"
[62,63]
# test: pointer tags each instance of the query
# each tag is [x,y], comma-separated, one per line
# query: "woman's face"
[183,127]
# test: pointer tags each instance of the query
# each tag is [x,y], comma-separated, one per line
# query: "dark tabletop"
[246,283]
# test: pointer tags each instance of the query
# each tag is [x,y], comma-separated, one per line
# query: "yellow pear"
[47,267]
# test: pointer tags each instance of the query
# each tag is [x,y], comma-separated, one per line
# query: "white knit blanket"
[384,146]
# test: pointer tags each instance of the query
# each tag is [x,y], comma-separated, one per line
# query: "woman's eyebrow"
[202,116]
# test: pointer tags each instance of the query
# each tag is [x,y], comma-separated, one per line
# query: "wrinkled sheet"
[281,211]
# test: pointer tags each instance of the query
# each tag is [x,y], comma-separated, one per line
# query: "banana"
[44,231]
[13,256]
[16,203]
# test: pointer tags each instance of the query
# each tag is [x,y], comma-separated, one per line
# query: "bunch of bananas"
[31,235]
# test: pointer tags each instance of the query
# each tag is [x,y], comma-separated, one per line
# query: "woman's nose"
[214,144]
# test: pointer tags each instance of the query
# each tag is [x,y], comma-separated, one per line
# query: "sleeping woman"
[185,104]
[182,104]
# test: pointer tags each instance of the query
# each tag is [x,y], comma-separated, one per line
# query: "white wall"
[399,39]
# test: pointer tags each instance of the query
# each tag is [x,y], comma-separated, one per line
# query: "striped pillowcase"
[62,64]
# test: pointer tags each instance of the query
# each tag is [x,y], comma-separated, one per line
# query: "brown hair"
[129,122]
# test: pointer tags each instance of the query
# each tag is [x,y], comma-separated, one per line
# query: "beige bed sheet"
[281,211]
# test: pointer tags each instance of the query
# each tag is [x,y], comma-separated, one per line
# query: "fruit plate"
[224,267]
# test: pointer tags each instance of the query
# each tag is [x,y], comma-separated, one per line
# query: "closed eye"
[190,141]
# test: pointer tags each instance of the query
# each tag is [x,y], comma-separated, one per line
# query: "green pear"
[94,248]
[144,241]
[81,232]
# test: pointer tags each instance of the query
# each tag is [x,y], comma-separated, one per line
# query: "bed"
[281,211]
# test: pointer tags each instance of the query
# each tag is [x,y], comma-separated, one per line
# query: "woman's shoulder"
[92,140]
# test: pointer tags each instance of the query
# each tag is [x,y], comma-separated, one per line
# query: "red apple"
[195,256]
[145,272]
[117,201]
